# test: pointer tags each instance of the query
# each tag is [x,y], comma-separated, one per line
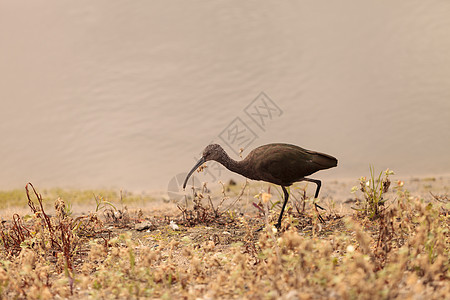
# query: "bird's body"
[284,164]
[281,164]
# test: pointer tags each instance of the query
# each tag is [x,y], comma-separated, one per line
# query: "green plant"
[101,203]
[373,191]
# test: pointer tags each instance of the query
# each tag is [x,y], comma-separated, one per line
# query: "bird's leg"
[319,184]
[286,197]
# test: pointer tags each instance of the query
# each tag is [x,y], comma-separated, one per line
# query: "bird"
[277,163]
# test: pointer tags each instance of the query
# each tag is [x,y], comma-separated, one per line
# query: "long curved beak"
[198,164]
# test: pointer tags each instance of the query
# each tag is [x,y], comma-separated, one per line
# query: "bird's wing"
[287,166]
[283,168]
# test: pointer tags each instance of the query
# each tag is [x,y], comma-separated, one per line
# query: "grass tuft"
[402,253]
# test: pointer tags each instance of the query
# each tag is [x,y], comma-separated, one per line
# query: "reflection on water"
[126,95]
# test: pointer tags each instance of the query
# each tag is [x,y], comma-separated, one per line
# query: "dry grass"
[209,250]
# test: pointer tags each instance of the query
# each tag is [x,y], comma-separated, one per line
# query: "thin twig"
[440,198]
[238,197]
[224,196]
[216,213]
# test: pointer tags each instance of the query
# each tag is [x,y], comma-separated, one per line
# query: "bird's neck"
[240,167]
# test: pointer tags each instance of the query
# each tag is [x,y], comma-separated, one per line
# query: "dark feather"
[285,164]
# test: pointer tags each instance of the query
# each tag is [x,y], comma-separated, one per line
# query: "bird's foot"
[277,226]
[260,229]
[318,214]
[321,219]
[318,206]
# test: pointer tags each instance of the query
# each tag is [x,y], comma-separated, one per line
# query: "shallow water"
[127,94]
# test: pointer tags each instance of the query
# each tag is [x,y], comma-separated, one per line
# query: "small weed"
[206,213]
[401,254]
[101,203]
[373,192]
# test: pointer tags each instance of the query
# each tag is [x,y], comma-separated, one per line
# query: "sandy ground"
[233,233]
[334,195]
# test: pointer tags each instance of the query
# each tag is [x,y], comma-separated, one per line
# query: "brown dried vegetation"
[403,253]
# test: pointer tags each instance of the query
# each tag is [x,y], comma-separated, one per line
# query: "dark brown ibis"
[281,164]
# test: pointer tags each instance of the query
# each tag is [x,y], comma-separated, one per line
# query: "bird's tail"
[325,160]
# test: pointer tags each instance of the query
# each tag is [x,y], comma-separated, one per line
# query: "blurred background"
[126,94]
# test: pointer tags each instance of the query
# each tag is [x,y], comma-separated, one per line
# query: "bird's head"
[211,152]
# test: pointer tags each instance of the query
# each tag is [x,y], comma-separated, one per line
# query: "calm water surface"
[127,94]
